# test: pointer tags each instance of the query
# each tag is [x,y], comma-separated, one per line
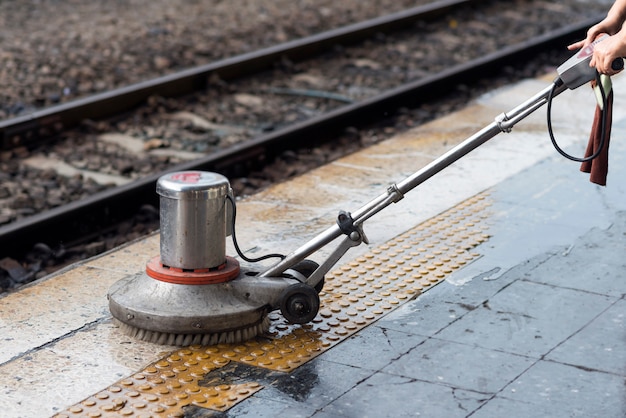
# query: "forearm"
[615,17]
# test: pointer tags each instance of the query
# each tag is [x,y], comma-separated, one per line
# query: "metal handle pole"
[503,123]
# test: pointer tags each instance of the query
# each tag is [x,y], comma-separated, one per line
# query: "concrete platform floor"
[536,327]
[532,326]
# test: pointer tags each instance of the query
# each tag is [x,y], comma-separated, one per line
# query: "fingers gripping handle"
[576,71]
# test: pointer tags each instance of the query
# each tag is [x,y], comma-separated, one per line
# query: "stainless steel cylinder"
[193,219]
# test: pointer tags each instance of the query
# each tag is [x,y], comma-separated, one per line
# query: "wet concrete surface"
[533,326]
[541,334]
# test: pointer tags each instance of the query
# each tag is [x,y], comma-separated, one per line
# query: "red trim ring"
[224,273]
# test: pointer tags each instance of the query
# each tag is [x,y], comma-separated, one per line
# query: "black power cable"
[604,116]
[239,252]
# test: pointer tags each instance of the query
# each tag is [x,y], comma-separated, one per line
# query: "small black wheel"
[299,303]
[306,268]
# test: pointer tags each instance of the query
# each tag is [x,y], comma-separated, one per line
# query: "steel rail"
[64,224]
[23,129]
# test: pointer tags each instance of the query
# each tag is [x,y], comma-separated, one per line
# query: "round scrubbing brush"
[186,295]
[177,313]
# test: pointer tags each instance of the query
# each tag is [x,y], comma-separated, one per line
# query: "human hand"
[607,53]
[609,26]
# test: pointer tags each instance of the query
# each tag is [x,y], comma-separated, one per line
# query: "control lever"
[576,71]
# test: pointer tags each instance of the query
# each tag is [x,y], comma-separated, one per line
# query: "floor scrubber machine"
[193,293]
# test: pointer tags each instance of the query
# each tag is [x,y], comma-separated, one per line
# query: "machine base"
[167,313]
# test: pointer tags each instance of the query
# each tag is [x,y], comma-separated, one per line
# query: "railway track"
[321,111]
[23,130]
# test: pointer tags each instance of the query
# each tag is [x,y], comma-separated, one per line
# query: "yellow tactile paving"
[354,295]
[164,388]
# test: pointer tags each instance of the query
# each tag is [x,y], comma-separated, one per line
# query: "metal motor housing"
[193,219]
[193,293]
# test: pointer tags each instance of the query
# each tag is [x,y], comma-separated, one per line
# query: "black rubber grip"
[618,64]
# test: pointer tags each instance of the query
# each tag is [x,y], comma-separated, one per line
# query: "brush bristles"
[167,338]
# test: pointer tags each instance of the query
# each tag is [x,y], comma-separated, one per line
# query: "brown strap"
[599,166]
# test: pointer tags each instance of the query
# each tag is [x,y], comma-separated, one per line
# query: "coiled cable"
[603,123]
